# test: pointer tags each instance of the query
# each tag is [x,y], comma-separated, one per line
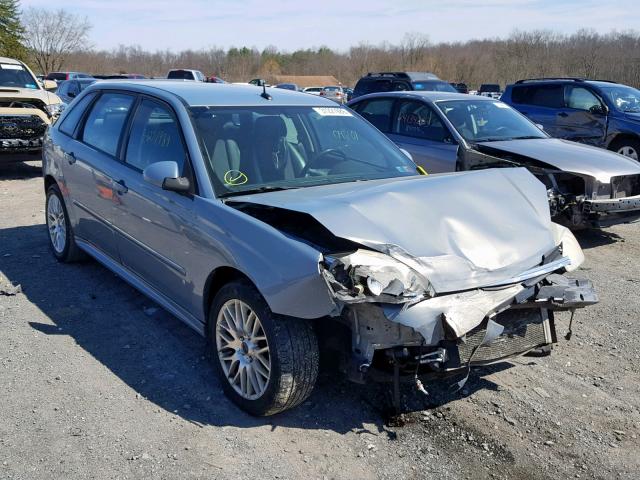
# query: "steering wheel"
[322,154]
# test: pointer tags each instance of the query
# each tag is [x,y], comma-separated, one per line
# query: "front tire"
[61,240]
[266,363]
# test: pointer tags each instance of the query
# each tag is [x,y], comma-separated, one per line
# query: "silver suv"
[270,220]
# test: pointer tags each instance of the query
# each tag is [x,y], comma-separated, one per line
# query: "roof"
[305,80]
[412,76]
[12,61]
[422,95]
[218,94]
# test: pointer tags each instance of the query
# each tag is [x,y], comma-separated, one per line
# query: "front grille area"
[21,127]
[524,329]
[627,186]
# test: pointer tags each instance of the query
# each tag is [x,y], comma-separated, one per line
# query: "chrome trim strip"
[171,264]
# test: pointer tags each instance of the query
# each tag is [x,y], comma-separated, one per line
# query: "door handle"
[71,158]
[563,114]
[120,187]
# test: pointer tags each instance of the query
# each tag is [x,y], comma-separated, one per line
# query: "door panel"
[577,121]
[89,171]
[151,223]
[418,129]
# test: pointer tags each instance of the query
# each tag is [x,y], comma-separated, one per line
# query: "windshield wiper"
[249,191]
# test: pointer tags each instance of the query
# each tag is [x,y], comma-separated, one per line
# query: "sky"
[291,25]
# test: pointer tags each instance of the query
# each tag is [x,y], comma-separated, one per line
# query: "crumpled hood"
[570,157]
[463,230]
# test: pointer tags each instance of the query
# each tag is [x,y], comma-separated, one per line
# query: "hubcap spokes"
[56,224]
[628,152]
[243,350]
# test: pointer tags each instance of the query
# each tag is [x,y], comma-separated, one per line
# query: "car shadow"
[595,237]
[163,360]
[20,170]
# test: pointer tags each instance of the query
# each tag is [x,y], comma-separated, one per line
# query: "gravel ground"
[96,382]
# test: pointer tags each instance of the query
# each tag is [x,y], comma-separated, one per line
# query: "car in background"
[334,92]
[400,81]
[182,74]
[288,86]
[27,108]
[348,93]
[258,82]
[460,87]
[275,222]
[491,90]
[62,76]
[586,186]
[214,79]
[312,90]
[70,89]
[115,76]
[596,112]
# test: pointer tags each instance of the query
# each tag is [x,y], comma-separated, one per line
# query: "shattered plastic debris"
[10,289]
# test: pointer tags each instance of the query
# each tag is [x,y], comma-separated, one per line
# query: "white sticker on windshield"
[332,112]
[501,105]
[10,66]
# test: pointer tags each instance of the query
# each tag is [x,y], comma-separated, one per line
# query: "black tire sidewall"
[249,295]
[64,255]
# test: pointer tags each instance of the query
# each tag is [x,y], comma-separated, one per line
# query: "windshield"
[84,84]
[625,99]
[265,148]
[12,75]
[487,121]
[434,86]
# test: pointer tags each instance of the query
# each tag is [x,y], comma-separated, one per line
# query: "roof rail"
[572,79]
[387,74]
[605,81]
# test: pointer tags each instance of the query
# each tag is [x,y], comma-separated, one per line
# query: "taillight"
[322,94]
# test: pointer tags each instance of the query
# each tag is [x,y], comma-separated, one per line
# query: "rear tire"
[61,240]
[629,147]
[277,356]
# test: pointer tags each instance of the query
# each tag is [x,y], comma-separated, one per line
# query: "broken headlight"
[369,276]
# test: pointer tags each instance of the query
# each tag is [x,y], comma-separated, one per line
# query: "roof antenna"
[264,93]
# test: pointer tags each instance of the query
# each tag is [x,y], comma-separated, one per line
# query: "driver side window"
[580,98]
[416,119]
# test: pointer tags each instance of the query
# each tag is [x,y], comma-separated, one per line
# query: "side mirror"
[407,154]
[540,126]
[598,110]
[49,85]
[166,175]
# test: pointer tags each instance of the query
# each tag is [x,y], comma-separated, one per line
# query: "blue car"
[600,113]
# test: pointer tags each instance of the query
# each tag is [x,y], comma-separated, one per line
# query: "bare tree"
[52,35]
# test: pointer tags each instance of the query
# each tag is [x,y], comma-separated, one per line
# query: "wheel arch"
[619,137]
[48,181]
[217,279]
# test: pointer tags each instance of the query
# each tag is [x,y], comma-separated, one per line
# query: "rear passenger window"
[155,137]
[415,119]
[551,96]
[103,127]
[70,121]
[378,113]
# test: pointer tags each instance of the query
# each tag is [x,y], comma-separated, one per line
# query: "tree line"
[55,40]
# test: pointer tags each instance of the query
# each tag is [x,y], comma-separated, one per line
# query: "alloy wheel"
[243,349]
[628,151]
[57,224]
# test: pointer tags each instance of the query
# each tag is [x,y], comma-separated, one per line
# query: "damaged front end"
[576,200]
[401,326]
